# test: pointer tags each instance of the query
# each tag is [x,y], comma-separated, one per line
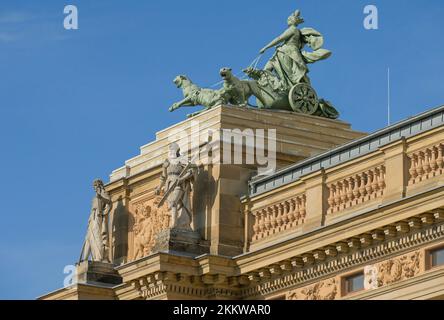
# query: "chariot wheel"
[303,99]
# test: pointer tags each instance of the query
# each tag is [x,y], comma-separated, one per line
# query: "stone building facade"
[345,216]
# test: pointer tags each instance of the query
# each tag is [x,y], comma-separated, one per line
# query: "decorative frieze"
[393,270]
[356,189]
[324,290]
[397,269]
[204,286]
[308,267]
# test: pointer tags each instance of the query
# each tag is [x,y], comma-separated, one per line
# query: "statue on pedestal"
[176,179]
[96,241]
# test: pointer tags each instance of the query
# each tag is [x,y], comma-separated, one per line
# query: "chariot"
[283,84]
[303,99]
[282,95]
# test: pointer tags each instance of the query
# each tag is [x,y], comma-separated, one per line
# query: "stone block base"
[180,241]
[97,272]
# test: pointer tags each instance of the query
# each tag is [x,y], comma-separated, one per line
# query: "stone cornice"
[301,270]
[344,262]
[435,276]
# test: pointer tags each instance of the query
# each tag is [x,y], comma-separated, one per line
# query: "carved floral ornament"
[324,290]
[149,220]
[394,270]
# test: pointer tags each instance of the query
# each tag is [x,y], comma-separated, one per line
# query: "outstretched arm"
[283,37]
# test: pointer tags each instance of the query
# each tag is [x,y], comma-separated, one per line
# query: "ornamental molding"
[324,290]
[317,271]
[301,273]
[192,286]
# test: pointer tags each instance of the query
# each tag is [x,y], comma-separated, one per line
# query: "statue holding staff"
[177,176]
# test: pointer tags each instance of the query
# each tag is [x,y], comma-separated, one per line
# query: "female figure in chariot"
[289,62]
[284,81]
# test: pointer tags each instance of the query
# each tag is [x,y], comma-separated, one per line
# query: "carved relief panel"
[375,276]
[393,270]
[147,220]
[324,290]
[398,269]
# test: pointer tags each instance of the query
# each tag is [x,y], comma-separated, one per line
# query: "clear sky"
[76,104]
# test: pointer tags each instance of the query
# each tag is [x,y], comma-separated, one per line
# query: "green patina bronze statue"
[196,96]
[283,84]
[236,91]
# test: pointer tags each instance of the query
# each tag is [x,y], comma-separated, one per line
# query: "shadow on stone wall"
[120,230]
[204,193]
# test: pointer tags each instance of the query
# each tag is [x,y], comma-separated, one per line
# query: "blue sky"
[76,104]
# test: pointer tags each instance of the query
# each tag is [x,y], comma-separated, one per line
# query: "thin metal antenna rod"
[388,96]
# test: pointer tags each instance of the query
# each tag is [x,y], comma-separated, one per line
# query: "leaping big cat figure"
[283,83]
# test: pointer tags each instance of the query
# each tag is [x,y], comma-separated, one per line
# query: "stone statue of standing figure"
[177,176]
[96,241]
